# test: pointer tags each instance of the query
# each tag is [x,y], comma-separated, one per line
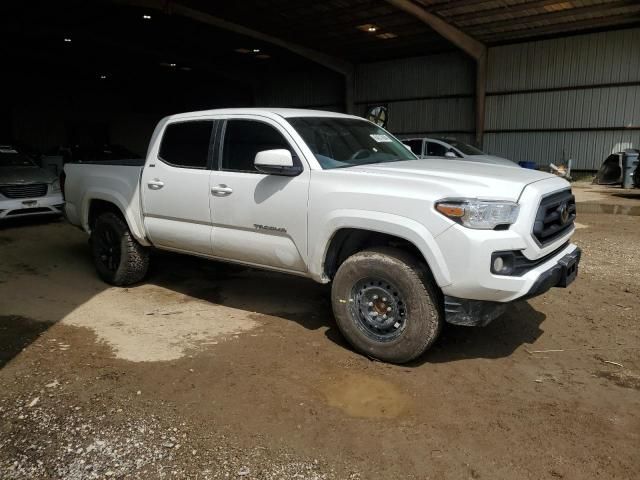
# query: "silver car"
[450,148]
[25,188]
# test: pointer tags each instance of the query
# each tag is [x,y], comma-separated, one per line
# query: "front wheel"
[386,304]
[118,257]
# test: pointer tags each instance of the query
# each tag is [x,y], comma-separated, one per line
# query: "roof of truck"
[282,112]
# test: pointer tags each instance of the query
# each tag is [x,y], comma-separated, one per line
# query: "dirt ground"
[214,371]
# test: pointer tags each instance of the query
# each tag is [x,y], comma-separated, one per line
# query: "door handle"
[155,184]
[221,190]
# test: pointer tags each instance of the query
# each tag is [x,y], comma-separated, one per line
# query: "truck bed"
[115,181]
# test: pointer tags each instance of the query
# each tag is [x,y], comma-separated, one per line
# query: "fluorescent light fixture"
[67,40]
[103,77]
[256,50]
[146,17]
[172,64]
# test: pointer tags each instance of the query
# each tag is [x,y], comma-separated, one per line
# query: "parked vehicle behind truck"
[407,244]
[25,188]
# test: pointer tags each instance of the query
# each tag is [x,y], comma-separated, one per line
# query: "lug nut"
[384,299]
[375,297]
[388,309]
[370,304]
[384,317]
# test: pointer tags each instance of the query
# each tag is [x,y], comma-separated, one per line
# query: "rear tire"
[386,304]
[119,259]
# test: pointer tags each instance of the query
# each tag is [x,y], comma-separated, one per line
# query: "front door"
[175,189]
[258,219]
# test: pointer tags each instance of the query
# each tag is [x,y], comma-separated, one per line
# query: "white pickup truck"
[408,244]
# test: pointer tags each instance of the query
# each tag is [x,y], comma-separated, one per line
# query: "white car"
[408,244]
[25,188]
[450,148]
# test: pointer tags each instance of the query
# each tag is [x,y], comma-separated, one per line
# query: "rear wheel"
[386,304]
[118,257]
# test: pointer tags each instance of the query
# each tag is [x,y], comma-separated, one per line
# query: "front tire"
[386,304]
[119,259]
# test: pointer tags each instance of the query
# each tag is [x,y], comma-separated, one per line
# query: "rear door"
[175,188]
[258,219]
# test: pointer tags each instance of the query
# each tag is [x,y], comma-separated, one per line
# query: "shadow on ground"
[308,304]
[16,334]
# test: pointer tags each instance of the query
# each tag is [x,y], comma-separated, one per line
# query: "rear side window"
[436,149]
[243,139]
[186,144]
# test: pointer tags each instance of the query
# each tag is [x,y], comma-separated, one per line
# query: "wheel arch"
[349,237]
[98,202]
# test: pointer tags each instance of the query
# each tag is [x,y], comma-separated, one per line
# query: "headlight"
[479,214]
[55,186]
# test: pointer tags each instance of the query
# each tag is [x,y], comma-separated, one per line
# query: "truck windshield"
[348,142]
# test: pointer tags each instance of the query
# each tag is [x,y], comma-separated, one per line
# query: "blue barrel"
[529,165]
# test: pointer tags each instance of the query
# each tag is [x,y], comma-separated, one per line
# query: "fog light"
[502,263]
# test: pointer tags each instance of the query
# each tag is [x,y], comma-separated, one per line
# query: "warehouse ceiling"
[119,34]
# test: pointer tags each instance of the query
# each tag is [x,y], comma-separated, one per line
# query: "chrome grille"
[32,190]
[555,217]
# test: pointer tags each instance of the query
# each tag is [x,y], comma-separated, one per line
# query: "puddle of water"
[631,210]
[364,396]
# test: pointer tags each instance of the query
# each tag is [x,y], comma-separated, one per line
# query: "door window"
[416,146]
[436,149]
[186,144]
[243,139]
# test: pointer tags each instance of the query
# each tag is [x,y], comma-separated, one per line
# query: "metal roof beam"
[460,39]
[472,47]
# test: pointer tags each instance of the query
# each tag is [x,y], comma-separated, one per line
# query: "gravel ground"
[214,371]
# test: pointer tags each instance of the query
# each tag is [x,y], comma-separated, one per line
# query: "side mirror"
[450,154]
[408,147]
[276,162]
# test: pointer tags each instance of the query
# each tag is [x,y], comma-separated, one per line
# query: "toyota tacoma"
[407,243]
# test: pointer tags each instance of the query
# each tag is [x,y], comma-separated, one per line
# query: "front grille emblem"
[564,213]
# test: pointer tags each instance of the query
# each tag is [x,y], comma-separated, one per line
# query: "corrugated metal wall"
[424,95]
[576,97]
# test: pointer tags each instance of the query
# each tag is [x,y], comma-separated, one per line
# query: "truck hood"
[25,175]
[492,159]
[459,177]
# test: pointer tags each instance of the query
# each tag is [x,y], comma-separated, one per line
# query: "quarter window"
[243,139]
[186,144]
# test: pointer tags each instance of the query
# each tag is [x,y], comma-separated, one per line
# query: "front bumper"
[51,204]
[467,312]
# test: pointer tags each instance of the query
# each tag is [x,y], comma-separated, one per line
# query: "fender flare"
[130,214]
[380,222]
